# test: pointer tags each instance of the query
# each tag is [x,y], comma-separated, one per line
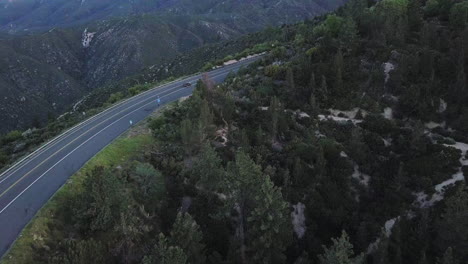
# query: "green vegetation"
[11,137]
[115,97]
[327,150]
[155,37]
[21,15]
[54,212]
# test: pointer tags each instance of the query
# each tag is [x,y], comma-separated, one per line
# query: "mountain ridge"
[68,63]
[31,15]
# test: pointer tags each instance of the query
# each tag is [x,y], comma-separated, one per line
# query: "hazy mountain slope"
[21,15]
[44,74]
[184,64]
[38,14]
[76,60]
[38,76]
[123,47]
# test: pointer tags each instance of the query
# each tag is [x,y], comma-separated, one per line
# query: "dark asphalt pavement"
[29,184]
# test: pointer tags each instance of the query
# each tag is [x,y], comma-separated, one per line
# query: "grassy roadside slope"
[127,146]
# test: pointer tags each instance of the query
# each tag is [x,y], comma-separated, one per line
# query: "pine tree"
[129,233]
[460,84]
[348,34]
[269,225]
[103,199]
[81,252]
[275,111]
[418,239]
[355,9]
[448,257]
[323,92]
[418,143]
[401,31]
[314,109]
[452,229]
[425,35]
[380,254]
[290,81]
[338,65]
[415,15]
[151,185]
[164,253]
[186,129]
[244,140]
[208,170]
[303,259]
[259,136]
[459,15]
[423,258]
[298,172]
[206,120]
[312,84]
[227,113]
[320,163]
[357,147]
[241,187]
[341,252]
[394,245]
[186,235]
[426,63]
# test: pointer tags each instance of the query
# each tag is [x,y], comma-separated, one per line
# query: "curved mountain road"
[29,184]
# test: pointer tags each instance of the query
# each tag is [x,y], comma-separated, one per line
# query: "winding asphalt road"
[29,184]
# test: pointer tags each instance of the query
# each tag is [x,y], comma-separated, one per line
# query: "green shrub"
[163,130]
[272,71]
[208,66]
[228,58]
[115,97]
[279,52]
[259,48]
[459,15]
[447,141]
[151,183]
[3,159]
[312,51]
[138,89]
[465,171]
[133,91]
[378,124]
[12,136]
[432,7]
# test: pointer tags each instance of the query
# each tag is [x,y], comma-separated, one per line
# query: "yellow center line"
[20,179]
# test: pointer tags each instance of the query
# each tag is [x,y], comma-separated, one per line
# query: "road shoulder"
[128,146]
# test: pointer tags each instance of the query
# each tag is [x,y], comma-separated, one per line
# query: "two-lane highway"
[29,184]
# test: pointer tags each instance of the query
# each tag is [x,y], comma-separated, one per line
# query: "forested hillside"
[347,143]
[66,49]
[23,16]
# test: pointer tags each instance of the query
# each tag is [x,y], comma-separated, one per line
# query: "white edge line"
[53,166]
[19,166]
[42,148]
[170,90]
[77,126]
[71,152]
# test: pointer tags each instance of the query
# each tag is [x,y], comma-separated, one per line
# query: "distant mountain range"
[54,52]
[26,15]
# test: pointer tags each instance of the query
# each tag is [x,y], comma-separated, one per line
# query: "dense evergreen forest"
[344,144]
